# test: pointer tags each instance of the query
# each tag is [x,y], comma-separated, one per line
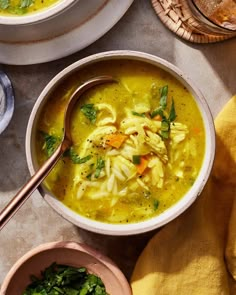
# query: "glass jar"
[6,101]
[215,16]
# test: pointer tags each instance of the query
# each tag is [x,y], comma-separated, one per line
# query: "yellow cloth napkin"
[196,253]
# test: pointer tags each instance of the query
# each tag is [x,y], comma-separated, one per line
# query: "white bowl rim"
[172,212]
[37,16]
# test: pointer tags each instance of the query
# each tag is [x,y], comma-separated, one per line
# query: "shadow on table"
[123,250]
[13,169]
[222,58]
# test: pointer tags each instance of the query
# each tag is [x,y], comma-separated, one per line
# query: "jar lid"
[6,101]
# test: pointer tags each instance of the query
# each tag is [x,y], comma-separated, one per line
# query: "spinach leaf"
[136,159]
[90,112]
[165,123]
[75,157]
[50,144]
[155,204]
[89,176]
[163,99]
[26,3]
[4,4]
[172,115]
[165,128]
[17,10]
[139,114]
[163,103]
[66,280]
[156,112]
[99,167]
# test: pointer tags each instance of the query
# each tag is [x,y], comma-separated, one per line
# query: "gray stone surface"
[212,67]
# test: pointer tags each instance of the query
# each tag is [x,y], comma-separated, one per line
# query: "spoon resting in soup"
[138,144]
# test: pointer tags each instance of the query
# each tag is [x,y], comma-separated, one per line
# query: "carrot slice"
[115,140]
[157,118]
[142,166]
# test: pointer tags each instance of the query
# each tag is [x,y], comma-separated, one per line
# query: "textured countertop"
[211,66]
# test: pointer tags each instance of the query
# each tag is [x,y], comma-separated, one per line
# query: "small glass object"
[6,101]
[218,16]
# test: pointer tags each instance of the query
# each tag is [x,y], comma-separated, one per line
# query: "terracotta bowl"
[67,253]
[170,213]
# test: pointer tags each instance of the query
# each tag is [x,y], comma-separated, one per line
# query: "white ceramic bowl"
[169,214]
[39,16]
[66,253]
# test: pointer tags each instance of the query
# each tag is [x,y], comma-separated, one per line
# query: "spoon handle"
[14,205]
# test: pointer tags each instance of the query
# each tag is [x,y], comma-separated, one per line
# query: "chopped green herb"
[165,124]
[4,4]
[66,280]
[165,134]
[50,143]
[99,167]
[75,157]
[90,112]
[138,114]
[89,176]
[163,99]
[26,3]
[155,204]
[165,127]
[136,159]
[17,10]
[172,115]
[156,112]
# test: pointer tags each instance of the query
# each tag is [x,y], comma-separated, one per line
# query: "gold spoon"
[14,205]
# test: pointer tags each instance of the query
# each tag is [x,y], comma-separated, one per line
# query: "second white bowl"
[38,16]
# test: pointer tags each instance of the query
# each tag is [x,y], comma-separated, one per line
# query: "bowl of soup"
[143,147]
[23,12]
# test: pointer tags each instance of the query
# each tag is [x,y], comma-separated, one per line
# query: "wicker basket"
[177,16]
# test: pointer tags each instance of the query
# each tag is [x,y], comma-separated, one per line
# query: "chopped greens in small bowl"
[62,279]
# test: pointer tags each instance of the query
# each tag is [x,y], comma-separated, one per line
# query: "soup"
[22,7]
[138,144]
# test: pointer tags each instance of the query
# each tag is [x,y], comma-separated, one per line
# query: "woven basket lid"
[176,15]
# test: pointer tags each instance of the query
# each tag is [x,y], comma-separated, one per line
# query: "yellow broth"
[134,198]
[22,7]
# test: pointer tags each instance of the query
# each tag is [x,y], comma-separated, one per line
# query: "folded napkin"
[196,253]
